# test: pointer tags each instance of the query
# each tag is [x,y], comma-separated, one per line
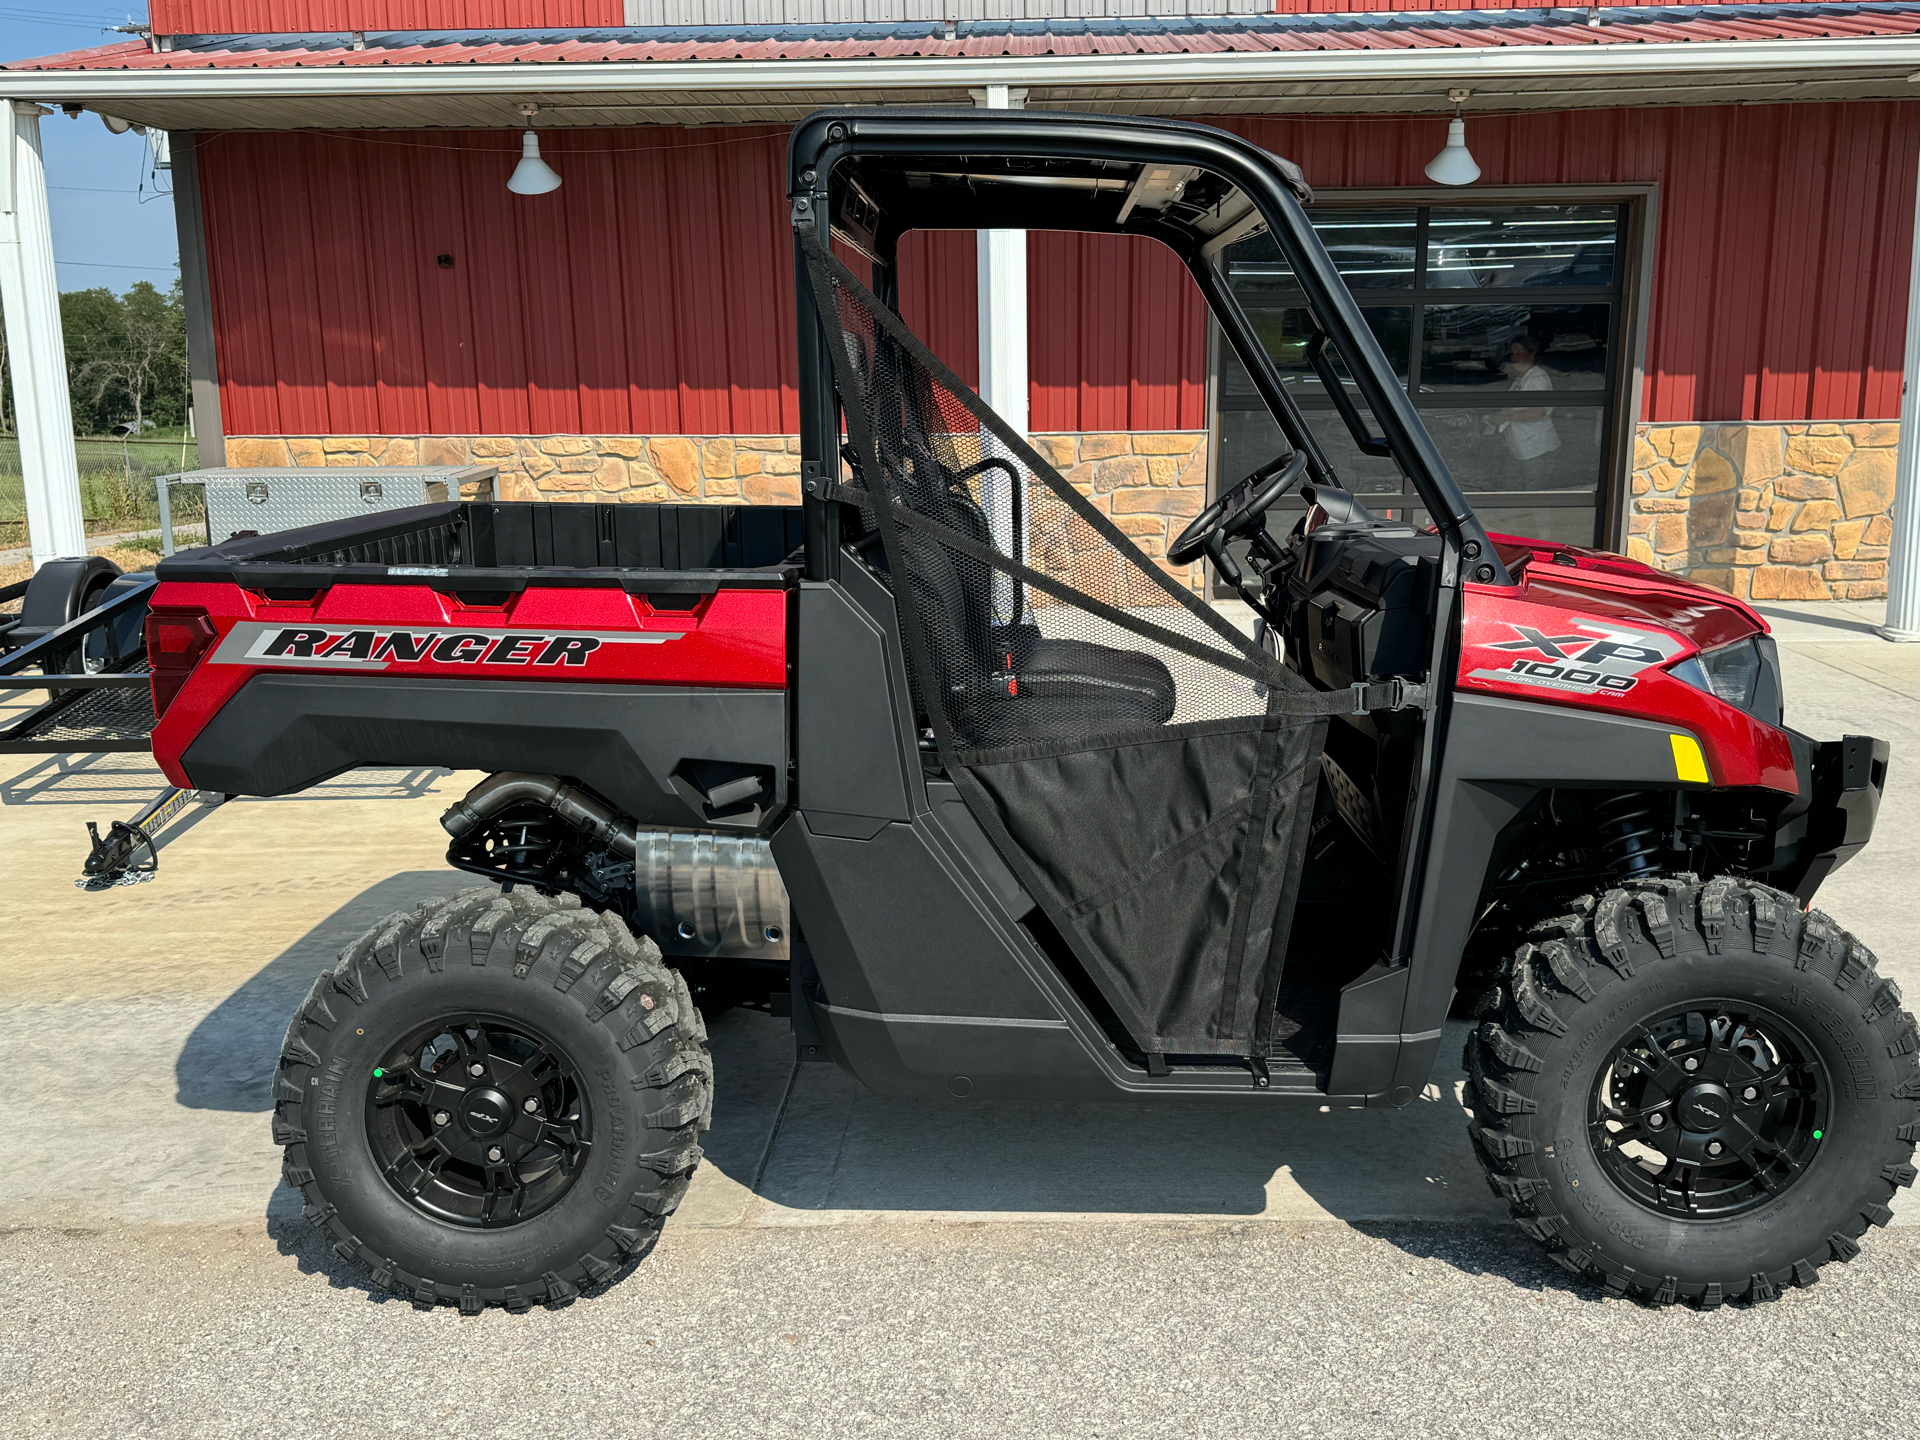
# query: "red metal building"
[1729,376]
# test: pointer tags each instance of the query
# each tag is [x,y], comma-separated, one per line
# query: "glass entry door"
[1503,321]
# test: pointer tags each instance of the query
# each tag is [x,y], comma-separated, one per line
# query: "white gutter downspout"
[1001,274]
[35,350]
[1904,552]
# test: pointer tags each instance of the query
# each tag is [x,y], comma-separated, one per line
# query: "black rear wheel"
[479,1120]
[1694,1092]
[494,1100]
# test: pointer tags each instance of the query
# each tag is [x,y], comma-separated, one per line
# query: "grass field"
[116,485]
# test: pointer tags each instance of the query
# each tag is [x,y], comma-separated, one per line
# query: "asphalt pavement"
[845,1263]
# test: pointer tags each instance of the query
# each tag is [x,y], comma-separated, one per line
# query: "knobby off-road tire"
[638,1089]
[1571,998]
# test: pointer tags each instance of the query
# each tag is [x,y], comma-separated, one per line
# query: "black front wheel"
[1694,1092]
[494,1099]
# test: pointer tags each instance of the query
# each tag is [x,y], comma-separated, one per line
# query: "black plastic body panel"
[1368,607]
[893,929]
[1498,755]
[281,733]
[854,753]
[959,1057]
[1844,780]
[918,991]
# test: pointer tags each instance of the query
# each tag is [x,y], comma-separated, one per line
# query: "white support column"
[1001,273]
[36,353]
[1904,554]
[1002,269]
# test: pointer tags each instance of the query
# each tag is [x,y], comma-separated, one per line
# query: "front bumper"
[1843,781]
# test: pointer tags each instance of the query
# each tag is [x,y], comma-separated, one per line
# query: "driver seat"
[1001,684]
[1006,684]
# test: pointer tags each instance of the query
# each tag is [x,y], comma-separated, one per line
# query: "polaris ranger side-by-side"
[986,797]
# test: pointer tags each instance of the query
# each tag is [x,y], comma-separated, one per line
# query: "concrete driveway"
[844,1263]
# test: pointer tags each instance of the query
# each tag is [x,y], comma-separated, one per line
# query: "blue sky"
[112,221]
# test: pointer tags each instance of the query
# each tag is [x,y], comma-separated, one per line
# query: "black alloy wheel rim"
[1709,1111]
[478,1121]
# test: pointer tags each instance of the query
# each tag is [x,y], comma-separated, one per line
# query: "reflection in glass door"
[1504,323]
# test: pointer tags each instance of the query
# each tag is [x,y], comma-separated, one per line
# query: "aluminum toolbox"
[262,500]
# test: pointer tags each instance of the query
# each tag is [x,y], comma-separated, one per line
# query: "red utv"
[994,804]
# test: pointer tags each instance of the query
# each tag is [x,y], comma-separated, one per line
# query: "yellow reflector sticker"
[1689,763]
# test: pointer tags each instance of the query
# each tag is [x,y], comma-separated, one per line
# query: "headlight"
[1747,675]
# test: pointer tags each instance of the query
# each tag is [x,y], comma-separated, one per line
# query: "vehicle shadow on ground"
[841,1153]
[805,1145]
[228,1060]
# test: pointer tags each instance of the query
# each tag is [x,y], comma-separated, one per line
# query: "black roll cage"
[1427,915]
[829,192]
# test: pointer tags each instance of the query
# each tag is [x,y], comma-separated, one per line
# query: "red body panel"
[733,638]
[1594,631]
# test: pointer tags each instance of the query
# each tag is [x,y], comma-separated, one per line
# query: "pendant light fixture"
[533,176]
[1453,166]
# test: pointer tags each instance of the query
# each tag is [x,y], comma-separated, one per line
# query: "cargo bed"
[644,643]
[504,546]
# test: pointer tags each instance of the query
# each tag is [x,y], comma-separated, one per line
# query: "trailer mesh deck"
[108,719]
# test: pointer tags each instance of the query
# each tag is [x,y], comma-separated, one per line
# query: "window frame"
[1630,296]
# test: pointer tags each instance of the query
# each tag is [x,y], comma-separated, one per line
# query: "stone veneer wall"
[1150,483]
[1767,511]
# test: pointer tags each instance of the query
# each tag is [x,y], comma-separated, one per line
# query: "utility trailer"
[995,805]
[78,638]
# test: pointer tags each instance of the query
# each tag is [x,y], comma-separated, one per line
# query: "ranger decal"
[314,646]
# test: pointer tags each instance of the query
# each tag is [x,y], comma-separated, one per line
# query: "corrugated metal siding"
[1781,258]
[251,17]
[653,293]
[940,296]
[1096,365]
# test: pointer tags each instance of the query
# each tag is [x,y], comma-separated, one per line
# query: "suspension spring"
[1630,835]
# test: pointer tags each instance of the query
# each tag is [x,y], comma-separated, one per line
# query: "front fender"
[1497,756]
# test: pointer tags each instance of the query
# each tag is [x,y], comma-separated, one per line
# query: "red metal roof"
[234,17]
[251,17]
[1457,29]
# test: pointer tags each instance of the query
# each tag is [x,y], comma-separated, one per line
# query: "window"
[1502,320]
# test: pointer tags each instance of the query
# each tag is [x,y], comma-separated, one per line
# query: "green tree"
[126,356]
[90,326]
[126,359]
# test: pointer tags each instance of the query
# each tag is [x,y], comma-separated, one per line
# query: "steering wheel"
[1238,512]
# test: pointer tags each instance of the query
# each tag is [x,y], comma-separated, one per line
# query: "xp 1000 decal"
[310,646]
[1582,657]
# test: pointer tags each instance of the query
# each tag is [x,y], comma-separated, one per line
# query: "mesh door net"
[1138,759]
